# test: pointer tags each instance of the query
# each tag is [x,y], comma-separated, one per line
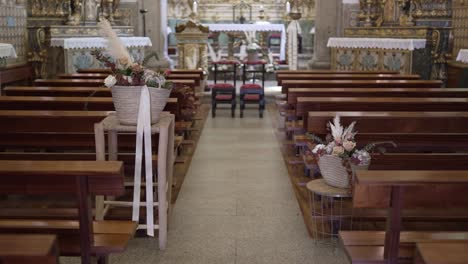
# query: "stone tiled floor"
[236,204]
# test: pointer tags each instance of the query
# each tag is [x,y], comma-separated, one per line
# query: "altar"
[240,28]
[72,54]
[6,51]
[380,54]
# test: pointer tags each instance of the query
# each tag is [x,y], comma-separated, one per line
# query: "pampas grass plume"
[115,46]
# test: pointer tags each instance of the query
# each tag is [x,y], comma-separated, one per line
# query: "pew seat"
[438,253]
[367,246]
[109,236]
[28,249]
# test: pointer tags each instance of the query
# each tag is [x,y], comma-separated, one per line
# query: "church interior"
[236,131]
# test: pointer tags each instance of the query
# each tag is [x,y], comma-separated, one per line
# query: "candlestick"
[288,7]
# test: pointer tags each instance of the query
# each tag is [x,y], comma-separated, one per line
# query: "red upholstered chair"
[224,93]
[253,93]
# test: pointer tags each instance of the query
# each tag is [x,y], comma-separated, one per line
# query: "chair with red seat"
[224,93]
[252,93]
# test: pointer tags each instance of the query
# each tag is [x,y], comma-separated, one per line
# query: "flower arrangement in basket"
[129,80]
[338,157]
[253,48]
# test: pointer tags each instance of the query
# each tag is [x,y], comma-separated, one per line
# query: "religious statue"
[74,15]
[108,9]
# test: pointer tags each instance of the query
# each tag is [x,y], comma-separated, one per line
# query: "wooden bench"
[411,131]
[396,190]
[70,103]
[70,82]
[57,91]
[57,135]
[308,104]
[437,253]
[95,70]
[284,77]
[28,249]
[80,179]
[359,84]
[333,72]
[185,76]
[294,93]
[83,76]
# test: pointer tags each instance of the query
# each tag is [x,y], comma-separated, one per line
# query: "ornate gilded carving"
[402,12]
[460,26]
[191,26]
[37,55]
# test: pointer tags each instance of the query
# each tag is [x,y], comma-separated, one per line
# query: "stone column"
[156,28]
[327,21]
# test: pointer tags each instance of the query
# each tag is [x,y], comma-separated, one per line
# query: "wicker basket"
[333,171]
[127,101]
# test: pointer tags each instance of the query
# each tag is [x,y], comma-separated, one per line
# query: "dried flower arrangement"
[341,143]
[125,72]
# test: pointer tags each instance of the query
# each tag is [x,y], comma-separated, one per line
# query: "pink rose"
[338,150]
[349,145]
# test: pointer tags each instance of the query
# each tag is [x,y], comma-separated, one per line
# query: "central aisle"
[236,204]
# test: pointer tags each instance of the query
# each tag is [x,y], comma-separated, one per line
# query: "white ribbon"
[144,132]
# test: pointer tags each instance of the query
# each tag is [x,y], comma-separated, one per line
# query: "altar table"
[380,54]
[463,56]
[6,51]
[75,53]
[253,27]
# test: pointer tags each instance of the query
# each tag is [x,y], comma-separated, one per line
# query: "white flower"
[318,148]
[110,81]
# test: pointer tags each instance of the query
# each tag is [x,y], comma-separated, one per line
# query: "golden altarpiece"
[400,19]
[53,21]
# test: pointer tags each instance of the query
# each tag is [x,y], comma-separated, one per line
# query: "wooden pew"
[57,91]
[396,190]
[28,249]
[83,76]
[79,179]
[95,82]
[294,93]
[185,76]
[70,82]
[108,71]
[446,131]
[186,71]
[308,104]
[70,103]
[95,70]
[447,253]
[284,77]
[359,84]
[333,72]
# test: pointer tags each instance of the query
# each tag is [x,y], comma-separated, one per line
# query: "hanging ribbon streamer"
[144,134]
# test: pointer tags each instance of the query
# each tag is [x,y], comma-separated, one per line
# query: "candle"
[261,8]
[288,7]
[195,7]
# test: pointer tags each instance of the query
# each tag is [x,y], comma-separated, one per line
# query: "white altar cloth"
[380,43]
[7,51]
[463,56]
[91,43]
[253,27]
